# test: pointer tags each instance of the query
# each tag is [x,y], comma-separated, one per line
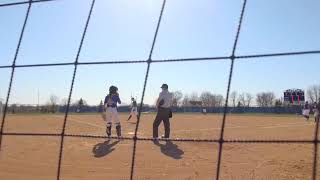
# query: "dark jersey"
[134,103]
[111,101]
[316,107]
[306,106]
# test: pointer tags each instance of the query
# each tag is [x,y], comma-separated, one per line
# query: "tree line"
[52,105]
[240,99]
[208,99]
[204,99]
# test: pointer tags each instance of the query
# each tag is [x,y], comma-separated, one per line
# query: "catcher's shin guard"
[108,130]
[118,128]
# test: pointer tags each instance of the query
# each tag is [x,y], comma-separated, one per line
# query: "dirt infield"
[35,158]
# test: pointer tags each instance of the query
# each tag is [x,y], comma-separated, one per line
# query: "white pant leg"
[108,115]
[306,112]
[112,115]
[134,111]
[116,119]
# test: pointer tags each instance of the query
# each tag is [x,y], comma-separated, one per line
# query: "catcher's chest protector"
[110,101]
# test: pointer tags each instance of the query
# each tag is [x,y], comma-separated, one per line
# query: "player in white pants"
[204,110]
[110,103]
[306,111]
[134,109]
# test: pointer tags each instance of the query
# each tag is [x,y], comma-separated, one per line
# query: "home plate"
[132,133]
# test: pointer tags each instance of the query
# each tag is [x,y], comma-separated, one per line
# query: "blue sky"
[124,29]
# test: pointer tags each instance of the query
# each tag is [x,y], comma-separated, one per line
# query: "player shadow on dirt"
[170,149]
[103,149]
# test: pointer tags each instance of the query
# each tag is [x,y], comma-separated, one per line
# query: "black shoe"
[118,128]
[155,141]
[119,138]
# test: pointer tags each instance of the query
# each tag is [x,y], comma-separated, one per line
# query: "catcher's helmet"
[113,89]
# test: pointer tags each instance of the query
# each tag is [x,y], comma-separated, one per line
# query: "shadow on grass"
[170,149]
[103,149]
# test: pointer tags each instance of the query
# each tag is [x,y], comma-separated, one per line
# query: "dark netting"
[233,57]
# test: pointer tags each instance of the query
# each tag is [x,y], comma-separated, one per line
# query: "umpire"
[164,112]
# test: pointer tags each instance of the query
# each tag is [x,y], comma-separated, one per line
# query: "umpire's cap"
[164,86]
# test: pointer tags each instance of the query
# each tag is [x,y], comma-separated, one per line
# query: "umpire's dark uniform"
[164,112]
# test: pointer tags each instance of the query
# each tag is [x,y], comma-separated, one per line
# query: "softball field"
[36,157]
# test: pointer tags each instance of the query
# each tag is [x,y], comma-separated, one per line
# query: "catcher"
[134,109]
[110,104]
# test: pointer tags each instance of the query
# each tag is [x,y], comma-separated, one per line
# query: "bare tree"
[190,100]
[245,99]
[196,103]
[12,108]
[239,104]
[242,99]
[265,99]
[249,98]
[219,100]
[176,98]
[53,101]
[194,97]
[186,100]
[206,98]
[233,97]
[278,102]
[313,93]
[64,102]
[211,100]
